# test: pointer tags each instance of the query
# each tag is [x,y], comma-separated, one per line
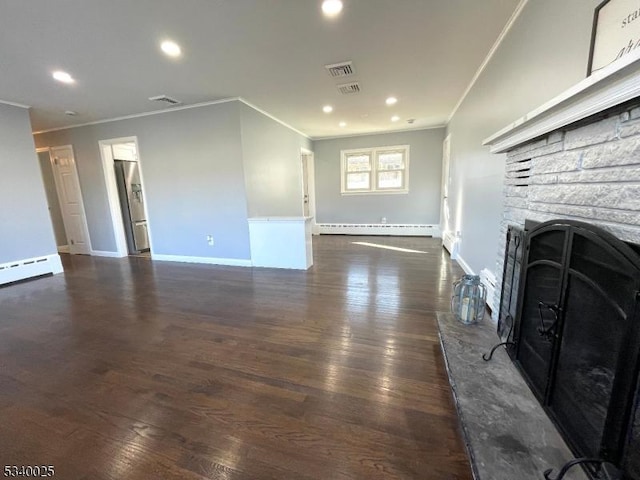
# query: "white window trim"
[374,190]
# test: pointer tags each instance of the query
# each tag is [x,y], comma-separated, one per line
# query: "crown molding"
[384,132]
[14,104]
[494,48]
[143,114]
[275,119]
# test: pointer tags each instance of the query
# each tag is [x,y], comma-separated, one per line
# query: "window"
[375,170]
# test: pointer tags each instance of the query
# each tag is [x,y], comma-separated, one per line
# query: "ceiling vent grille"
[349,88]
[343,69]
[164,99]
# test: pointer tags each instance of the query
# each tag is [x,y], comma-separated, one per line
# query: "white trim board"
[494,48]
[380,132]
[14,104]
[141,114]
[257,109]
[465,266]
[30,267]
[414,230]
[169,110]
[613,85]
[102,253]
[233,262]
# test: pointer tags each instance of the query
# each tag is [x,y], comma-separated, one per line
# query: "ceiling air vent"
[343,69]
[165,99]
[347,88]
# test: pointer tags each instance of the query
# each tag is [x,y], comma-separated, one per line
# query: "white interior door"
[445,215]
[70,196]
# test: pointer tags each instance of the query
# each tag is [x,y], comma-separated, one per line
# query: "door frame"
[445,185]
[307,155]
[108,169]
[85,225]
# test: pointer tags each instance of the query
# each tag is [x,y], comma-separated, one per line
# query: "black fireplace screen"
[577,337]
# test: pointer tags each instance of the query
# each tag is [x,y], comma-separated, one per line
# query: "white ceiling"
[269,52]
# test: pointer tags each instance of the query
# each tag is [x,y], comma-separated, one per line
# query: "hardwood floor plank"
[134,369]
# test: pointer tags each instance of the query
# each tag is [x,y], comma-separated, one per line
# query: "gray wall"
[420,205]
[191,162]
[52,198]
[543,54]
[272,165]
[25,227]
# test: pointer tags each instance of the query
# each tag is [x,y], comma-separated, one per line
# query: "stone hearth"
[507,433]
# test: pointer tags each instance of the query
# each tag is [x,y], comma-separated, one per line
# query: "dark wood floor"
[133,369]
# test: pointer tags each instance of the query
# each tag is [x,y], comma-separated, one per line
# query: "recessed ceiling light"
[391,101]
[71,113]
[327,109]
[395,118]
[63,77]
[342,124]
[171,48]
[331,8]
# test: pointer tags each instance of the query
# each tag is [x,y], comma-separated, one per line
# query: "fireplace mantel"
[610,86]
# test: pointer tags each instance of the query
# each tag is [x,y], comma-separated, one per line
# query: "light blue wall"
[205,170]
[272,165]
[420,205]
[544,53]
[192,167]
[25,226]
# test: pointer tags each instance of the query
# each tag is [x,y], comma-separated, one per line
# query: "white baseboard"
[102,253]
[451,243]
[233,262]
[465,266]
[63,248]
[414,230]
[30,267]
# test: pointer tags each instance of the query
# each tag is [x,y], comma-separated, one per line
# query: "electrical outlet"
[210,240]
[383,220]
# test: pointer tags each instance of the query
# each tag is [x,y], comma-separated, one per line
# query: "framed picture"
[615,33]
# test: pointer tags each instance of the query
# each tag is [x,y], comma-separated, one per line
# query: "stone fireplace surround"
[575,157]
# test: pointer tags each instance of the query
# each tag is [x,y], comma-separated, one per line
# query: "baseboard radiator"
[451,243]
[414,230]
[30,267]
[488,279]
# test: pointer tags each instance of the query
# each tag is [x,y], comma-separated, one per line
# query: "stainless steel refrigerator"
[132,205]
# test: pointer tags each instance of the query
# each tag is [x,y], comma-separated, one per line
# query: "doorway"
[126,195]
[450,239]
[446,182]
[64,199]
[308,188]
